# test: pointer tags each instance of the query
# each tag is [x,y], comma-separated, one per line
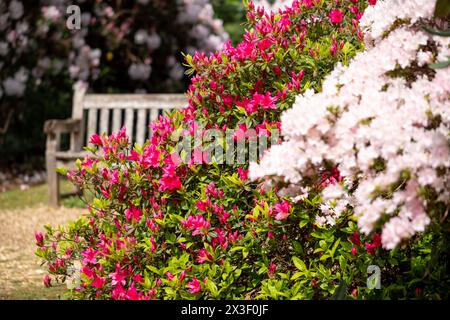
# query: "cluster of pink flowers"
[197,224]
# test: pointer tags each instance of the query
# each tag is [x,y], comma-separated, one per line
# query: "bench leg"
[53,180]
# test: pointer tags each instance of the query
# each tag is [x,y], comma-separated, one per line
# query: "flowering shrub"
[165,224]
[382,123]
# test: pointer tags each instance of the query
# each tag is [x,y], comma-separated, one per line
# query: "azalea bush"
[121,46]
[382,124]
[170,224]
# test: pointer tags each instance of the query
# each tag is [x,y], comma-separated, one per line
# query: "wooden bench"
[99,113]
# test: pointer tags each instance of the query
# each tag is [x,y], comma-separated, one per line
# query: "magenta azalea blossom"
[194,286]
[336,16]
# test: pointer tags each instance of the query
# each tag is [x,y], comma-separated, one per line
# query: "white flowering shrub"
[383,122]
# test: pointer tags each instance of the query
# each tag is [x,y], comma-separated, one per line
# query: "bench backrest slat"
[104,120]
[141,128]
[134,101]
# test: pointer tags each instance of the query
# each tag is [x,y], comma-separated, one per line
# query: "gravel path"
[20,273]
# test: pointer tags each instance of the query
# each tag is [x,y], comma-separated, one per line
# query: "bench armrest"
[54,129]
[58,126]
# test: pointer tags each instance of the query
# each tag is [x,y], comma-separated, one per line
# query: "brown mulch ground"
[20,272]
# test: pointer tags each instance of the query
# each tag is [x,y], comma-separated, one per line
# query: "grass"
[19,199]
[35,293]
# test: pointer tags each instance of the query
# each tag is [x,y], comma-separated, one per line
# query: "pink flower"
[204,255]
[89,256]
[272,269]
[194,286]
[333,177]
[336,16]
[182,275]
[196,223]
[118,293]
[98,282]
[133,214]
[372,2]
[39,238]
[282,210]
[277,70]
[201,205]
[121,136]
[150,157]
[96,140]
[153,242]
[265,101]
[376,242]
[114,177]
[170,183]
[355,239]
[87,163]
[169,275]
[354,251]
[151,293]
[118,277]
[249,105]
[133,294]
[47,281]
[243,174]
[88,272]
[138,278]
[265,44]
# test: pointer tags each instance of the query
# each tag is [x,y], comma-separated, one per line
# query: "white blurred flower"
[16,9]
[140,37]
[51,13]
[139,71]
[15,86]
[153,41]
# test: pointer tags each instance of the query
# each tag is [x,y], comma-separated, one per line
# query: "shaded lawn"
[18,199]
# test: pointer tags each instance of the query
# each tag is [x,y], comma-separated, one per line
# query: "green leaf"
[90,149]
[341,291]
[61,170]
[297,275]
[442,8]
[212,288]
[440,65]
[154,269]
[303,223]
[333,250]
[342,262]
[299,264]
[245,252]
[236,248]
[437,32]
